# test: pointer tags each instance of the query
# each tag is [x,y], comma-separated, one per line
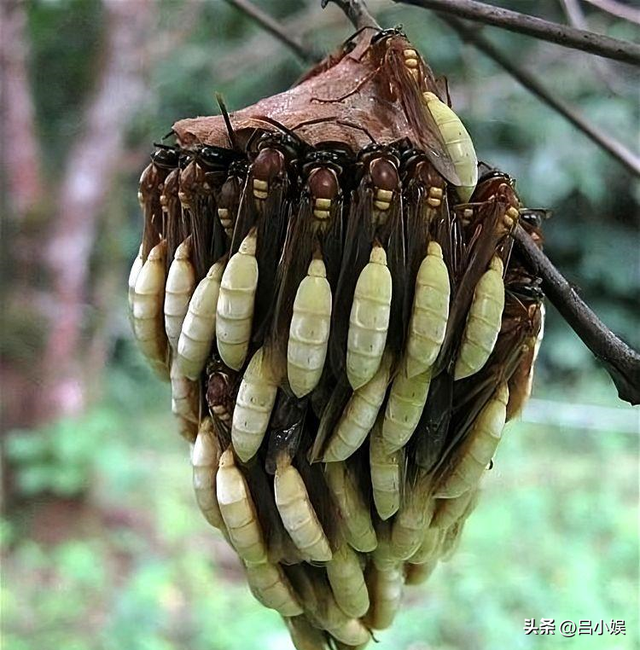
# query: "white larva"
[198,328]
[309,330]
[205,457]
[298,515]
[406,402]
[359,415]
[148,297]
[236,303]
[457,142]
[271,587]
[181,281]
[479,447]
[430,312]
[347,582]
[369,319]
[355,516]
[254,403]
[238,511]
[483,322]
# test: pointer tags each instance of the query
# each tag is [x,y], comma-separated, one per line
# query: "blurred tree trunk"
[45,328]
[92,166]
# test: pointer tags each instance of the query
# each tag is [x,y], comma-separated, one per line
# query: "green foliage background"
[134,566]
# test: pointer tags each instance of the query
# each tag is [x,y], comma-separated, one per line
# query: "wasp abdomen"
[404,408]
[136,267]
[181,280]
[238,511]
[458,143]
[355,516]
[270,587]
[347,582]
[254,403]
[430,312]
[386,475]
[148,298]
[413,519]
[479,448]
[234,312]
[198,327]
[385,588]
[299,516]
[309,330]
[185,395]
[205,457]
[369,319]
[359,415]
[483,322]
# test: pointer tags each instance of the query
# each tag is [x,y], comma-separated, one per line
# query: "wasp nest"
[333,294]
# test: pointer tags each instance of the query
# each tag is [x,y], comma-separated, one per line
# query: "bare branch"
[513,21]
[356,11]
[273,27]
[19,147]
[627,158]
[617,9]
[620,361]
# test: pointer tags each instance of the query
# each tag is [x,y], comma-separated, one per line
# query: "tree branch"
[627,158]
[620,361]
[273,27]
[513,21]
[356,11]
[617,9]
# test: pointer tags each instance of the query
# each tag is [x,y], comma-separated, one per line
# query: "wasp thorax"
[386,181]
[227,198]
[412,62]
[324,188]
[268,165]
[190,178]
[218,396]
[170,189]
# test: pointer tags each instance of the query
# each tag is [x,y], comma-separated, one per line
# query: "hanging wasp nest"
[334,297]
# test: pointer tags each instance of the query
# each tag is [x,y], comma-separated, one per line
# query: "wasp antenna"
[171,134]
[225,114]
[351,125]
[278,125]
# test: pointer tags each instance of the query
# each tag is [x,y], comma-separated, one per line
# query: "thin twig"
[356,11]
[577,39]
[620,361]
[627,158]
[617,9]
[273,27]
